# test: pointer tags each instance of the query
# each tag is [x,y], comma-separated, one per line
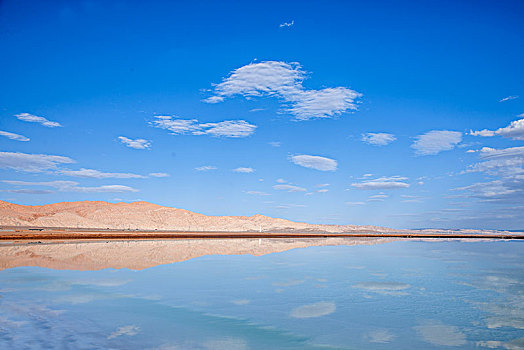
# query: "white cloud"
[315,162]
[275,143]
[258,193]
[506,162]
[382,183]
[284,80]
[483,133]
[13,136]
[96,174]
[176,125]
[31,162]
[281,181]
[355,203]
[439,334]
[126,330]
[507,166]
[206,168]
[509,98]
[490,153]
[496,189]
[226,128]
[28,191]
[379,196]
[55,184]
[436,141]
[289,206]
[289,188]
[136,143]
[72,186]
[314,310]
[159,174]
[322,185]
[244,170]
[287,24]
[105,188]
[515,130]
[26,117]
[378,138]
[324,190]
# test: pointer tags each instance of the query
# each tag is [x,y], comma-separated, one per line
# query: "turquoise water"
[400,295]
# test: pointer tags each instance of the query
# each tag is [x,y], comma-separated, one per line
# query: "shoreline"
[75,234]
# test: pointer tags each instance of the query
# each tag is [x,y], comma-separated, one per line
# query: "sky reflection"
[395,295]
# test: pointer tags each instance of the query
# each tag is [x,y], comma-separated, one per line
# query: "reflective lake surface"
[396,295]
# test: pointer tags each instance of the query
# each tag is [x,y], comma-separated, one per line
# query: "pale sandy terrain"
[147,216]
[139,255]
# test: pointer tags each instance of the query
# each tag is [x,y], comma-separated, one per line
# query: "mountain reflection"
[138,255]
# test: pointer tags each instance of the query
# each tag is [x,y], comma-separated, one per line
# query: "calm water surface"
[400,295]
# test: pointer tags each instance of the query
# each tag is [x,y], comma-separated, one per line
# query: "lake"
[392,295]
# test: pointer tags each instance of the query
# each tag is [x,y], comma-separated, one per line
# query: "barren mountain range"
[148,216]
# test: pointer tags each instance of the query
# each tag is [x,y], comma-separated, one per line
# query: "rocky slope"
[148,216]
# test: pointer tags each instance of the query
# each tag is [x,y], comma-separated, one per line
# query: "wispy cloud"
[508,98]
[159,174]
[515,130]
[284,81]
[436,141]
[136,143]
[257,193]
[492,153]
[26,117]
[14,136]
[96,174]
[287,24]
[72,186]
[315,162]
[289,206]
[378,138]
[380,195]
[275,143]
[28,191]
[31,162]
[206,168]
[226,128]
[382,183]
[244,170]
[289,188]
[355,203]
[506,166]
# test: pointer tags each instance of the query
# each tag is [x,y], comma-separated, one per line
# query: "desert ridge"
[149,216]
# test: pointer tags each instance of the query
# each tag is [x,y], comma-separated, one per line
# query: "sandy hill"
[148,216]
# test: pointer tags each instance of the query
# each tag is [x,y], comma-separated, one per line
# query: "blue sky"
[405,114]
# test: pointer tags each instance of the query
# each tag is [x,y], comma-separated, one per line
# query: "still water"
[396,295]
